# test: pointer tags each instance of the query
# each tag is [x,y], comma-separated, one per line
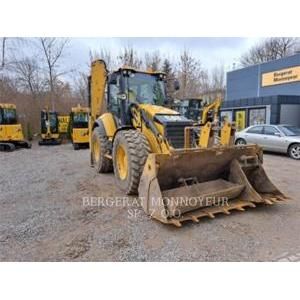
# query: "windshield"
[145,88]
[9,116]
[290,130]
[80,119]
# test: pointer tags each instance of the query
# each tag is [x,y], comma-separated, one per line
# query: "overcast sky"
[211,51]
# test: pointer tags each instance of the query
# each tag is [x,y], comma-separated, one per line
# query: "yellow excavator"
[49,128]
[11,134]
[151,150]
[79,123]
[210,111]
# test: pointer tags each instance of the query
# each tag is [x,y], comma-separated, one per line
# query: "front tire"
[99,148]
[130,152]
[240,141]
[294,151]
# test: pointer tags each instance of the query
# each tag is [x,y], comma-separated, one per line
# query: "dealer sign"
[281,76]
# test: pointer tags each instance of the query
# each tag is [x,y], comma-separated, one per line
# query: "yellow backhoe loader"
[49,128]
[11,134]
[79,119]
[150,148]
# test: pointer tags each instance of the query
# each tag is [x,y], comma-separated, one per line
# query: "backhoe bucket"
[194,183]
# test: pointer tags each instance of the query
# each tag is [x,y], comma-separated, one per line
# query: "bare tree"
[28,75]
[81,87]
[53,49]
[153,60]
[129,57]
[269,49]
[190,75]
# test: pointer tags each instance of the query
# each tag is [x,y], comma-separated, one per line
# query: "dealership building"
[265,93]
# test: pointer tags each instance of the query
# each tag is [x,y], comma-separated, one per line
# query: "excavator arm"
[215,107]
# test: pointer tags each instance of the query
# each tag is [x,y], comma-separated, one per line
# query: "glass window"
[9,116]
[113,104]
[290,130]
[270,130]
[145,88]
[81,117]
[1,118]
[255,129]
[257,116]
[80,120]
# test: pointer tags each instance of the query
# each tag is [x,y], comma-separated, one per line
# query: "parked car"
[276,138]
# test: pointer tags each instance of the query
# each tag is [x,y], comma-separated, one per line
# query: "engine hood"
[153,110]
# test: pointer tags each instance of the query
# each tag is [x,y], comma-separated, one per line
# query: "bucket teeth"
[176,222]
[240,208]
[194,219]
[210,215]
[226,211]
[268,201]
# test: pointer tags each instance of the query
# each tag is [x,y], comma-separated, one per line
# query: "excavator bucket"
[194,183]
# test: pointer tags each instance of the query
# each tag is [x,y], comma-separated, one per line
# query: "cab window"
[113,103]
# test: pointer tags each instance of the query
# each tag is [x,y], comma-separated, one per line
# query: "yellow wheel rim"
[122,162]
[96,150]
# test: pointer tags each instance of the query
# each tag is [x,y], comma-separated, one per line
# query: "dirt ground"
[46,214]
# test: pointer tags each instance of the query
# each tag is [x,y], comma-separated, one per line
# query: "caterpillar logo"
[281,76]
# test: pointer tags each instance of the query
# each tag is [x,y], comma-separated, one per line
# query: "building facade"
[265,93]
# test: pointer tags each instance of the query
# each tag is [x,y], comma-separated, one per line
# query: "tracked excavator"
[49,128]
[11,134]
[151,151]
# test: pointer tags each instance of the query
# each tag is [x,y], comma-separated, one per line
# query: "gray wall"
[290,114]
[246,83]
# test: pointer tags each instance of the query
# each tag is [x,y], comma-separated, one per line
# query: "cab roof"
[7,105]
[80,108]
[128,68]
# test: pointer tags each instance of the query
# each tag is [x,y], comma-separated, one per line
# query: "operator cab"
[128,86]
[80,119]
[49,118]
[8,115]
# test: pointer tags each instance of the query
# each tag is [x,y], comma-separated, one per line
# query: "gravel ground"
[44,217]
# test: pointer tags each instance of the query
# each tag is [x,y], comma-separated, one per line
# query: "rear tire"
[240,141]
[100,146]
[294,151]
[130,152]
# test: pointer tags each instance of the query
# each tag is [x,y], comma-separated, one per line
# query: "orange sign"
[281,76]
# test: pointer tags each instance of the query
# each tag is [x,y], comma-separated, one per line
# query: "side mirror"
[176,85]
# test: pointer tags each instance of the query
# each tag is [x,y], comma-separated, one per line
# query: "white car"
[276,138]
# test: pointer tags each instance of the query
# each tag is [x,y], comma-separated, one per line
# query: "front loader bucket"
[194,183]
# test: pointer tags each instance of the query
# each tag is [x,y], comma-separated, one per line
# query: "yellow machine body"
[153,150]
[80,135]
[11,134]
[49,128]
[79,125]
